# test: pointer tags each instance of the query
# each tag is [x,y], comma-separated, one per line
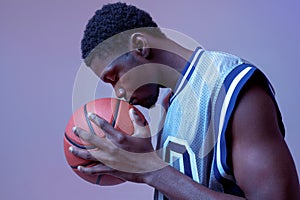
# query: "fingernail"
[91,115]
[131,114]
[74,129]
[71,149]
[132,111]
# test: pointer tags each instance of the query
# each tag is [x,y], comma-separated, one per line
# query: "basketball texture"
[116,112]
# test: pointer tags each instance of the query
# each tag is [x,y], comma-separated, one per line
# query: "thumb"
[140,126]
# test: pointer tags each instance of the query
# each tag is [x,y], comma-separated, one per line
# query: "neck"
[174,58]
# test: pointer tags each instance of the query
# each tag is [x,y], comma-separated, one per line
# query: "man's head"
[109,22]
[114,43]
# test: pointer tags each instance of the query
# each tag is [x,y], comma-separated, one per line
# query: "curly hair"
[112,19]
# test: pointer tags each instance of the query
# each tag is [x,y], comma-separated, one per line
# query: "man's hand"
[126,157]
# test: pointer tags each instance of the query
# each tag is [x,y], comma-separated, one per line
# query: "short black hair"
[110,20]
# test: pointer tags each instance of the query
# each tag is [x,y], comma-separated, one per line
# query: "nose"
[109,75]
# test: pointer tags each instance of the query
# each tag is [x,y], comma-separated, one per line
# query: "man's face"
[131,77]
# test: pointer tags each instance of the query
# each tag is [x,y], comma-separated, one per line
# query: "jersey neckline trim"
[187,72]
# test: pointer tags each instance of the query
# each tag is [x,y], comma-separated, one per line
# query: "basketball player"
[223,136]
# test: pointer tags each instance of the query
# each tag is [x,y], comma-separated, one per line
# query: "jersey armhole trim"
[227,99]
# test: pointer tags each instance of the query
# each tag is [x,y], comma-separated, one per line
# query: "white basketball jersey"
[194,135]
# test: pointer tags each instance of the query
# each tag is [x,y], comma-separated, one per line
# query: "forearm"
[176,185]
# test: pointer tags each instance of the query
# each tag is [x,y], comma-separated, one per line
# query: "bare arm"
[263,166]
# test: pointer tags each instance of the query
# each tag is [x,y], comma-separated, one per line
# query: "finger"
[90,138]
[82,153]
[136,118]
[107,128]
[140,126]
[97,169]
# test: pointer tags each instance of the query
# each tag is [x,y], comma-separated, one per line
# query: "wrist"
[153,177]
[155,166]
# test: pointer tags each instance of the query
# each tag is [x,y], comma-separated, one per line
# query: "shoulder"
[262,164]
[221,58]
[256,106]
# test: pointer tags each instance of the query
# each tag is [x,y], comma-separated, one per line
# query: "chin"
[147,96]
[149,101]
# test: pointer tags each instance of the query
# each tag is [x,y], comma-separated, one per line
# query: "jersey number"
[179,155]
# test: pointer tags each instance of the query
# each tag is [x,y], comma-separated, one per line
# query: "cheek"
[138,76]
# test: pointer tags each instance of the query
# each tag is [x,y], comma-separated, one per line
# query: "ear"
[139,43]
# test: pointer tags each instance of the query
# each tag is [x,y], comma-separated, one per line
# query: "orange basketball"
[114,111]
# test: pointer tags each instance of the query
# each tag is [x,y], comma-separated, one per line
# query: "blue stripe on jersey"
[187,166]
[229,112]
[187,72]
[189,62]
[230,187]
[233,84]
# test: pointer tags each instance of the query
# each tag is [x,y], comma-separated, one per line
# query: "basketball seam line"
[84,165]
[78,145]
[115,115]
[98,179]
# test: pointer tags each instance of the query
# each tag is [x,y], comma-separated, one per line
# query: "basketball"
[116,112]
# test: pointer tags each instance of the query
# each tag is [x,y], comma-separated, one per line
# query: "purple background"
[40,55]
